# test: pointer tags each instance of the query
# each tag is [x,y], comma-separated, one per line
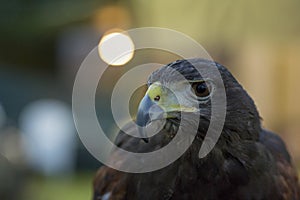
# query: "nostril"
[157,98]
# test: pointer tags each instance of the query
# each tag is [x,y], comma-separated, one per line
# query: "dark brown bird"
[247,162]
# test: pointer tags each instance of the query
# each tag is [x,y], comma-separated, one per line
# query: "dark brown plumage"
[247,162]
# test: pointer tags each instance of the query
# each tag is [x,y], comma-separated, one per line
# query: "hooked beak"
[148,111]
[158,103]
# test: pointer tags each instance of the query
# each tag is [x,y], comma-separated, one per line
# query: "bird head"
[188,86]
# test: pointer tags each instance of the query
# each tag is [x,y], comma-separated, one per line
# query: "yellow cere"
[167,101]
[154,90]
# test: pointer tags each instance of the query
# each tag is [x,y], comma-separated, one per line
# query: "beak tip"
[146,140]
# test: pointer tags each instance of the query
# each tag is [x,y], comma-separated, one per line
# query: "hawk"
[247,161]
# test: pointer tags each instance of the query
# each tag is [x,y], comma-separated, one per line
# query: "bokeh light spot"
[116,48]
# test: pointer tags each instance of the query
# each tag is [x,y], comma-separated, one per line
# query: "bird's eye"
[201,89]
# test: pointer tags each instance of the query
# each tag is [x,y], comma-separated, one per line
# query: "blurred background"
[43,42]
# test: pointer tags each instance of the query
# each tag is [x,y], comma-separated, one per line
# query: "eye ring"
[201,89]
